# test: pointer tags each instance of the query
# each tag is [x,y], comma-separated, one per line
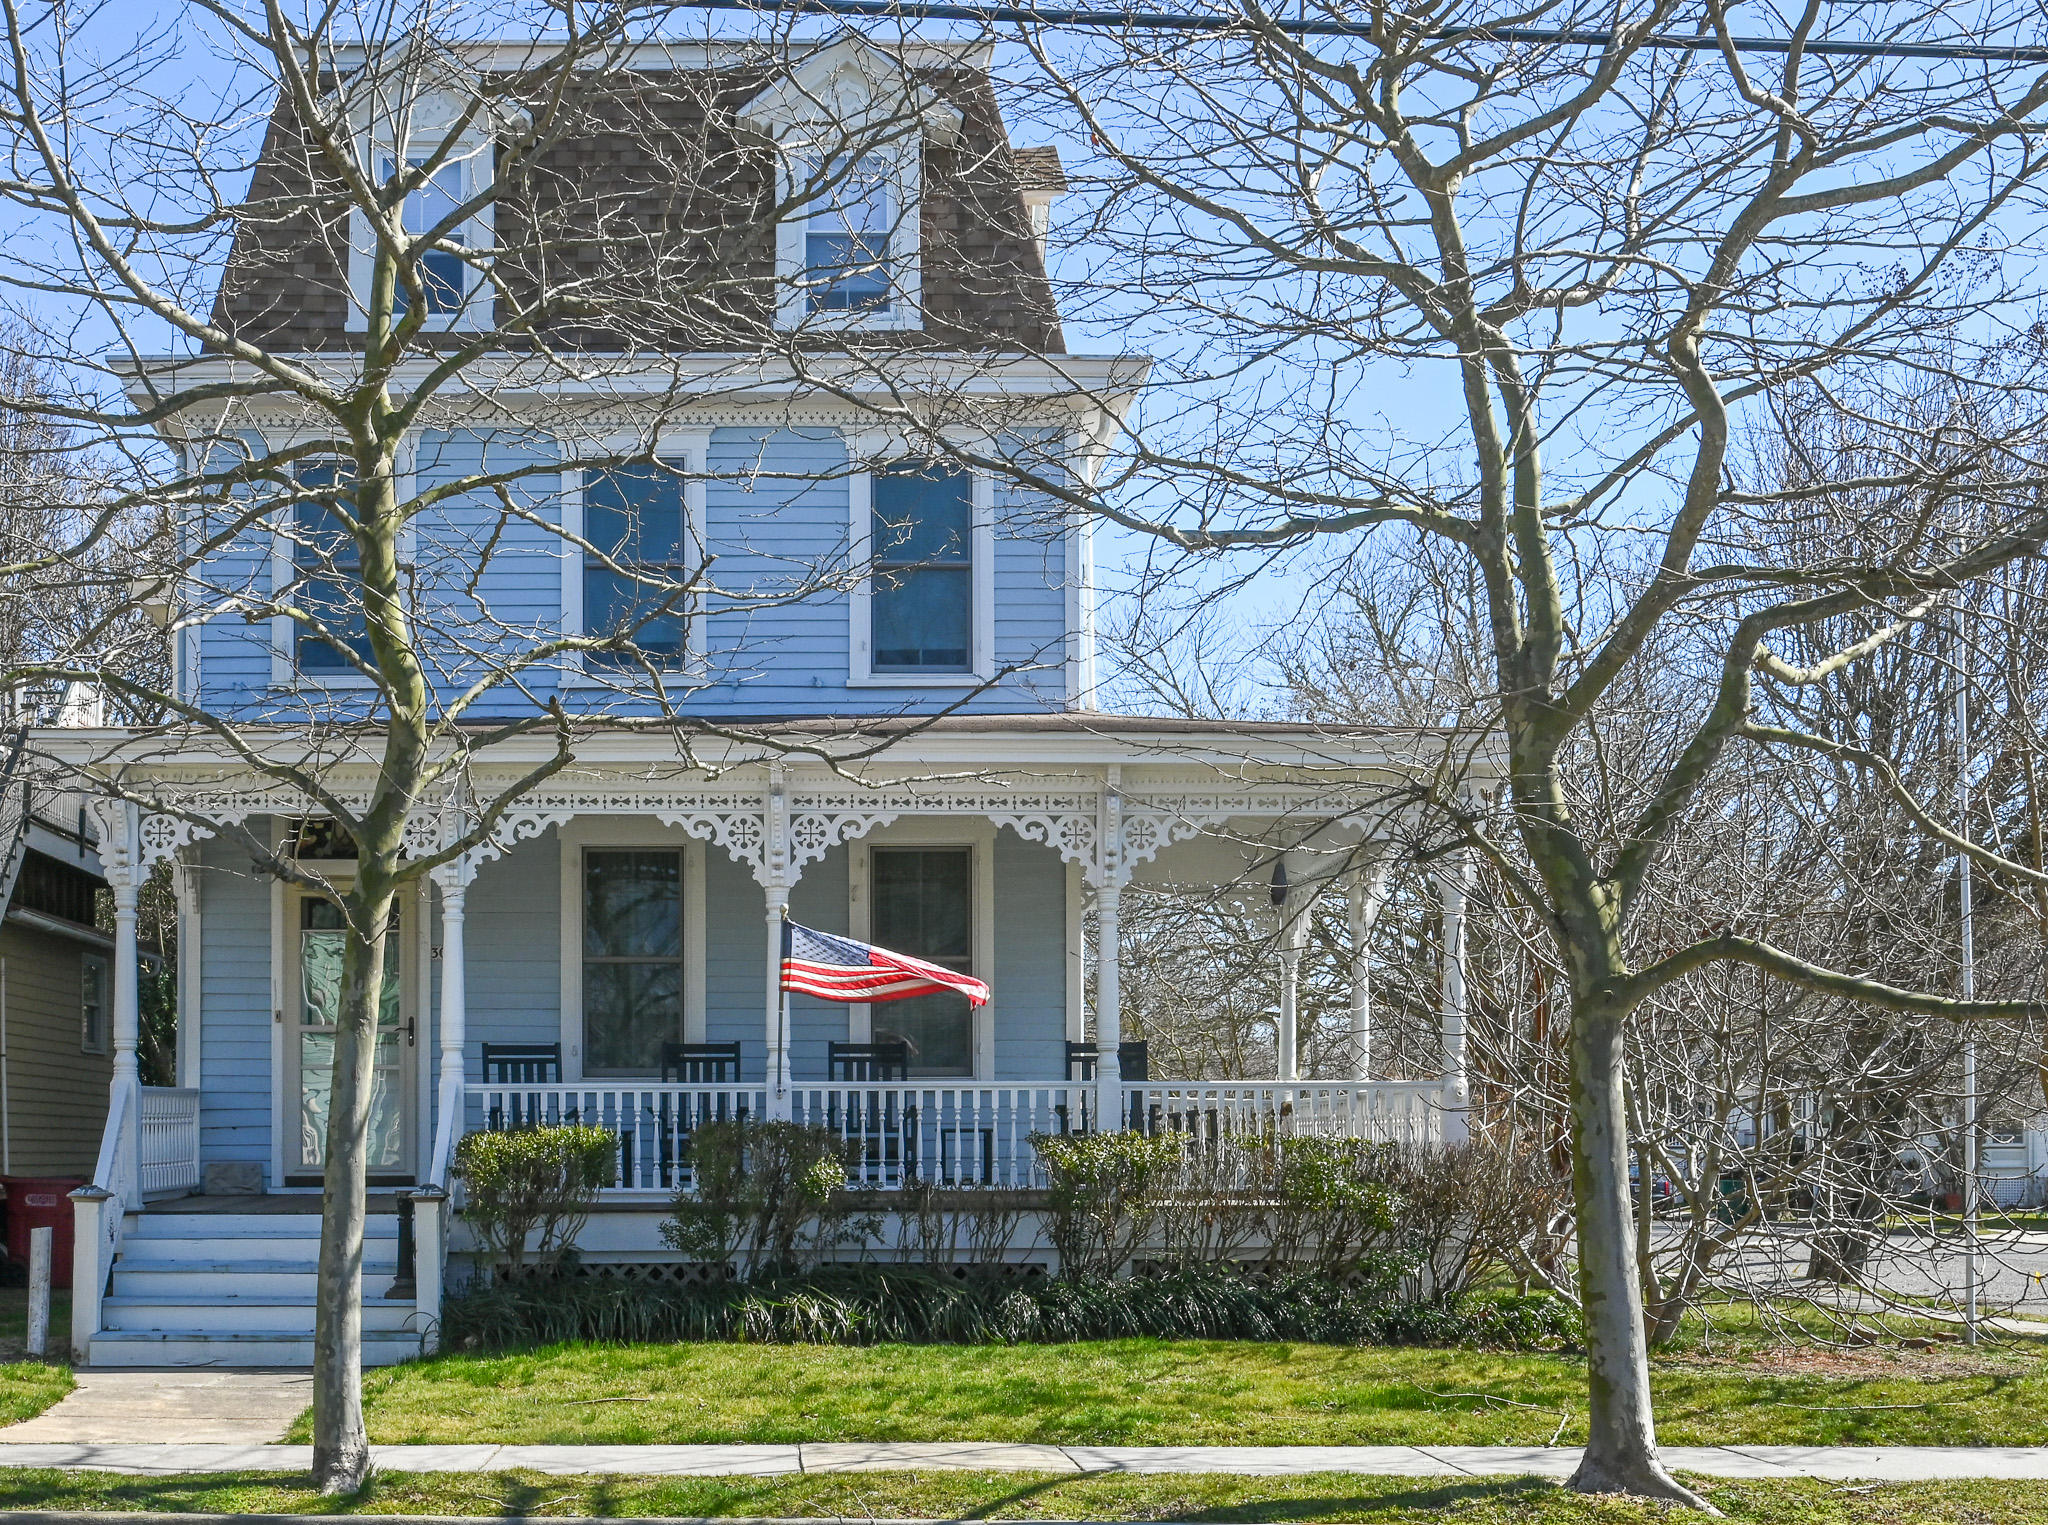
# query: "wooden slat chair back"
[522,1064]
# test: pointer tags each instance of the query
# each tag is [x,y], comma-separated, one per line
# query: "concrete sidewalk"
[182,1406]
[1892,1464]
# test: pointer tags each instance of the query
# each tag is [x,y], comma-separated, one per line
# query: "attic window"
[452,290]
[443,276]
[846,236]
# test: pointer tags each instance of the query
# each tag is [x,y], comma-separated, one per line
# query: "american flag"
[840,969]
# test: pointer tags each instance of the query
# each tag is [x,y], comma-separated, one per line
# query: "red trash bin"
[39,1202]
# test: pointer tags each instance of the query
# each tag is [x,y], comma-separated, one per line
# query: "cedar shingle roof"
[1039,169]
[653,207]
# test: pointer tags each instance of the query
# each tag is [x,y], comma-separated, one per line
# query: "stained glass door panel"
[322,941]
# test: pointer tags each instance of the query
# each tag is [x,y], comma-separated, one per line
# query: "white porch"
[1105,806]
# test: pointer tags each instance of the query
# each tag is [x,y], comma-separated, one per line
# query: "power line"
[1171,21]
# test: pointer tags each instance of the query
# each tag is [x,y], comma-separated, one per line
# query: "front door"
[314,954]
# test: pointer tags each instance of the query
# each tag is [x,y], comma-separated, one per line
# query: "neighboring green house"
[56,987]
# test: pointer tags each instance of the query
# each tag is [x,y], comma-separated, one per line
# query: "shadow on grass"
[1446,1496]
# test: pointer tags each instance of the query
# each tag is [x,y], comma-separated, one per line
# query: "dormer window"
[452,288]
[443,275]
[846,236]
[850,123]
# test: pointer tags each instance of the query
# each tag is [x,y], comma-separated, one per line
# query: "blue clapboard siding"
[513,932]
[234,654]
[489,582]
[819,900]
[1030,977]
[236,1002]
[775,513]
[735,961]
[488,585]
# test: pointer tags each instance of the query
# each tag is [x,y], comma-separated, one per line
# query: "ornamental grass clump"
[877,1304]
[530,1191]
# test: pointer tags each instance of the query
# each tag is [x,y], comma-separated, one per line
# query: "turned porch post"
[1109,1020]
[124,876]
[1368,895]
[1457,1092]
[454,882]
[1293,924]
[776,883]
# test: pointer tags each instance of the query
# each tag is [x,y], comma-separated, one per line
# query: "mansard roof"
[655,196]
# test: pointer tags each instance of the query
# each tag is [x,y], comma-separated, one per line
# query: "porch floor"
[307,1202]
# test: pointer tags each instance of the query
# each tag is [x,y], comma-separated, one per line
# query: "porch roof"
[874,746]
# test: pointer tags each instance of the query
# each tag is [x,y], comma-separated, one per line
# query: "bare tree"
[1516,300]
[178,213]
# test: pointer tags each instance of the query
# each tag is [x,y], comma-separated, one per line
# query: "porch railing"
[951,1134]
[169,1140]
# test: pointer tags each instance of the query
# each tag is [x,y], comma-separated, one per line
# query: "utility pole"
[1969,993]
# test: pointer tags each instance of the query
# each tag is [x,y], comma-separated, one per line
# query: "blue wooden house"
[610,954]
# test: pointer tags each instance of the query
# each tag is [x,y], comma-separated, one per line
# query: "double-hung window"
[923,905]
[921,603]
[93,995]
[847,234]
[443,274]
[636,567]
[632,959]
[327,565]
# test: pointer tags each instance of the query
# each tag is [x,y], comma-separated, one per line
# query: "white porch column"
[1457,1093]
[124,870]
[1368,895]
[1109,1017]
[776,885]
[185,883]
[1289,1036]
[453,879]
[1291,912]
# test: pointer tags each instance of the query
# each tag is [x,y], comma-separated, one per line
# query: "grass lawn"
[28,1387]
[1159,1392]
[1027,1496]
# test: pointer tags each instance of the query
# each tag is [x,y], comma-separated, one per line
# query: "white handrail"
[101,1212]
[168,1140]
[951,1132]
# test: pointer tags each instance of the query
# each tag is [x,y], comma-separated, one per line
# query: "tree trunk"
[341,1449]
[1621,1443]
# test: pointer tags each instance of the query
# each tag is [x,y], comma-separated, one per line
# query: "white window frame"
[906,240]
[860,498]
[978,836]
[475,153]
[648,835]
[685,449]
[284,657]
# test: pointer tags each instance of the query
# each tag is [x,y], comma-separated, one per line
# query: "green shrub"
[1103,1191]
[770,1194]
[533,1182]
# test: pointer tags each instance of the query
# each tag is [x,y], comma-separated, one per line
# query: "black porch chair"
[862,1063]
[1133,1062]
[875,1122]
[700,1063]
[522,1064]
[677,1118]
